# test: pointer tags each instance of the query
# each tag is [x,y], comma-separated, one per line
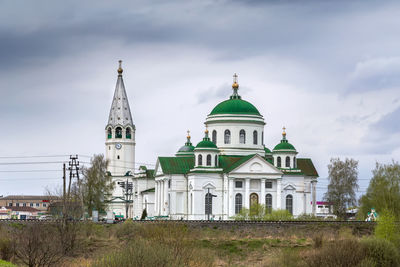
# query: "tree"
[96,184]
[383,192]
[342,184]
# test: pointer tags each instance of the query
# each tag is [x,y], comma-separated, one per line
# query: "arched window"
[294,163]
[118,132]
[214,137]
[128,133]
[208,160]
[216,160]
[287,162]
[242,137]
[255,138]
[109,133]
[278,162]
[208,203]
[238,203]
[227,137]
[200,160]
[268,203]
[289,203]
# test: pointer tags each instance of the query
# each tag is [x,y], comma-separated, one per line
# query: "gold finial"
[235,84]
[188,134]
[120,70]
[206,131]
[284,131]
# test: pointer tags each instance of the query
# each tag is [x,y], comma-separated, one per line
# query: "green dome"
[186,148]
[235,106]
[284,145]
[206,143]
[267,151]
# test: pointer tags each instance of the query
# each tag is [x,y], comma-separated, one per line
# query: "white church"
[228,170]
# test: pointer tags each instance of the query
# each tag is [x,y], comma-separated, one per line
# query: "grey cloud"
[375,74]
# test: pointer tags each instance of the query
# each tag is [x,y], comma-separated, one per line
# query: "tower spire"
[235,87]
[120,70]
[284,133]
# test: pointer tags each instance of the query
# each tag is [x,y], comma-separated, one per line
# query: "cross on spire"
[235,78]
[120,70]
[235,87]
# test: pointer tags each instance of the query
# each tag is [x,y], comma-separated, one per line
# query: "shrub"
[278,215]
[381,251]
[343,253]
[6,264]
[387,227]
[5,249]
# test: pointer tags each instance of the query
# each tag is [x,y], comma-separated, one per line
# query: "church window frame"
[208,160]
[289,204]
[238,203]
[216,160]
[268,184]
[208,204]
[255,138]
[268,203]
[294,163]
[109,133]
[278,162]
[118,132]
[128,133]
[238,184]
[200,160]
[262,138]
[287,163]
[214,136]
[242,136]
[227,137]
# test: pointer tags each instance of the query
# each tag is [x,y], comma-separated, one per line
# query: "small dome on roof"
[284,144]
[187,149]
[267,151]
[206,144]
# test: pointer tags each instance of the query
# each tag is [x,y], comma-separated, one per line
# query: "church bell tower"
[120,132]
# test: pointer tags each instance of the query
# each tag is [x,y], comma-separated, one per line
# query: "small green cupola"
[284,145]
[206,153]
[187,150]
[206,144]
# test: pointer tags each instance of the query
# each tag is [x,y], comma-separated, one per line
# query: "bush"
[5,249]
[387,227]
[278,215]
[381,251]
[6,264]
[343,253]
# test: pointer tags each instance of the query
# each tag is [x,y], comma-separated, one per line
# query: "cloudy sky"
[327,70]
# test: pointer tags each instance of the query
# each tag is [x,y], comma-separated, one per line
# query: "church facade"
[230,169]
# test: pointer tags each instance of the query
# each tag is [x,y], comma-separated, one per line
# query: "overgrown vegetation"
[259,213]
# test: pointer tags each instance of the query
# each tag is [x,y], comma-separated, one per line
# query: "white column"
[278,193]
[166,197]
[231,198]
[162,198]
[156,198]
[262,192]
[314,197]
[246,193]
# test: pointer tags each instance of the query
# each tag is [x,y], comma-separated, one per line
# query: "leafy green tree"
[342,185]
[96,184]
[383,192]
[387,227]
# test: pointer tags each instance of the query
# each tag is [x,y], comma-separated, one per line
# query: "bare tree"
[342,185]
[37,245]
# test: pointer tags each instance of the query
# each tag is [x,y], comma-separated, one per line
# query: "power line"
[33,171]
[31,162]
[33,156]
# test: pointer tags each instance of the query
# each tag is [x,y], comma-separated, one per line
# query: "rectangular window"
[24,204]
[268,184]
[44,205]
[37,204]
[17,204]
[320,207]
[31,204]
[10,204]
[239,184]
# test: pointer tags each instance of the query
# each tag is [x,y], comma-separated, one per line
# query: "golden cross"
[235,78]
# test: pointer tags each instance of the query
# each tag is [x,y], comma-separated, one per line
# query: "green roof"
[176,165]
[206,143]
[229,163]
[307,167]
[149,190]
[267,151]
[149,173]
[235,106]
[284,145]
[186,148]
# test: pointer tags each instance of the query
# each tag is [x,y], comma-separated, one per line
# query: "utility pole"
[73,173]
[64,188]
[128,188]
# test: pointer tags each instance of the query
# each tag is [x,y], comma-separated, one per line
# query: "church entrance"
[253,199]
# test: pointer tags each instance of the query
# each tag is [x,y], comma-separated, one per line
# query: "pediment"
[158,170]
[289,187]
[257,165]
